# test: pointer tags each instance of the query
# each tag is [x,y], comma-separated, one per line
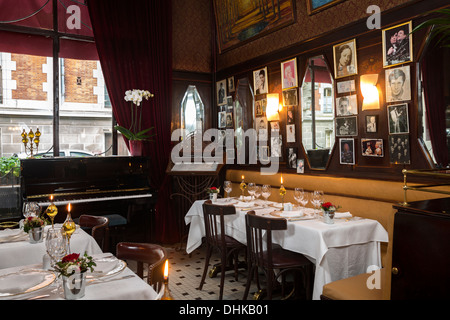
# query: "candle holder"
[282,194]
[166,295]
[29,139]
[69,228]
[52,211]
[243,186]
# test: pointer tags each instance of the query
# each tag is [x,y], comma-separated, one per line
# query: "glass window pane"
[192,111]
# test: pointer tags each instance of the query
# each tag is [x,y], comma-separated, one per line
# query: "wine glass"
[227,186]
[266,191]
[251,189]
[31,209]
[55,244]
[317,199]
[299,194]
[258,192]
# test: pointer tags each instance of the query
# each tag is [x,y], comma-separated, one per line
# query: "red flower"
[71,257]
[213,188]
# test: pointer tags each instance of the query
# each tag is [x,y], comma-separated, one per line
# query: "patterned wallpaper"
[192,20]
[304,28]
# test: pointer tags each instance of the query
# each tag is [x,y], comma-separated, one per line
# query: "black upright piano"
[108,186]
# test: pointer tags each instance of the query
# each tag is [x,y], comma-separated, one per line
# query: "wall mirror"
[317,105]
[192,111]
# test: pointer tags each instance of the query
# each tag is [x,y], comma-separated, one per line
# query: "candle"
[51,197]
[242,177]
[68,208]
[166,270]
[281,179]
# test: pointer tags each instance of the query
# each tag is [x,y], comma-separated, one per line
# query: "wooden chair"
[98,227]
[273,260]
[145,253]
[214,218]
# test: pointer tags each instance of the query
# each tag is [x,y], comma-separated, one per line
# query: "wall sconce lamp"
[273,101]
[368,83]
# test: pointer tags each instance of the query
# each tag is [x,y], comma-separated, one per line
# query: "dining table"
[17,250]
[348,247]
[111,279]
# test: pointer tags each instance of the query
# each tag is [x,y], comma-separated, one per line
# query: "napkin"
[242,204]
[247,198]
[276,205]
[11,234]
[291,214]
[105,265]
[19,283]
[340,215]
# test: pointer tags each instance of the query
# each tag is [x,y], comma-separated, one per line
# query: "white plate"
[107,266]
[16,283]
[10,233]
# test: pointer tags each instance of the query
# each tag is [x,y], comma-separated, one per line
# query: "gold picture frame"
[345,59]
[289,78]
[397,45]
[315,6]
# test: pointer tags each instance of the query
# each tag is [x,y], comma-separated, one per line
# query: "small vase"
[328,217]
[213,197]
[36,235]
[135,147]
[74,286]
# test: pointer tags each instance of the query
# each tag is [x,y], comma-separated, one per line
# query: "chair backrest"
[214,222]
[259,237]
[99,229]
[152,254]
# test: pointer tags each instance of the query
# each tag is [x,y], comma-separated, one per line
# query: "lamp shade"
[273,100]
[368,84]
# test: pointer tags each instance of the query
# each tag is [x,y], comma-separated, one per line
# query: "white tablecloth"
[133,288]
[21,253]
[340,250]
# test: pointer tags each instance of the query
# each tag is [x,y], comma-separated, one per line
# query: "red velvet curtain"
[134,43]
[433,85]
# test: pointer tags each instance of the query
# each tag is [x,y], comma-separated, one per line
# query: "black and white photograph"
[260,81]
[274,126]
[229,120]
[397,45]
[261,128]
[263,153]
[398,84]
[275,146]
[231,87]
[290,115]
[347,105]
[290,133]
[347,151]
[345,62]
[222,119]
[346,86]
[290,97]
[398,118]
[346,126]
[371,123]
[260,107]
[399,149]
[372,147]
[221,90]
[291,157]
[300,165]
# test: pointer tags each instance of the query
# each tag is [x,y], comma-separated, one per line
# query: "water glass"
[55,244]
[227,186]
[266,191]
[251,189]
[258,192]
[31,209]
[299,195]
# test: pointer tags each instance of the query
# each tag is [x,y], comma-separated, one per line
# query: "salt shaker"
[46,262]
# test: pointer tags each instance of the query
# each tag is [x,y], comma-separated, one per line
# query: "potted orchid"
[213,192]
[134,132]
[73,269]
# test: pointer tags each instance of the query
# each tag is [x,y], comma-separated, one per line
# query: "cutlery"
[96,281]
[39,297]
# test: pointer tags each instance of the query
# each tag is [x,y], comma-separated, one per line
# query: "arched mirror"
[317,105]
[192,111]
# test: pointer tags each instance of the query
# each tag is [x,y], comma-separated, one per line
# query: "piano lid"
[83,175]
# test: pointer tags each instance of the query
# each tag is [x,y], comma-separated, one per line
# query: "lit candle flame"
[51,197]
[68,207]
[281,179]
[166,270]
[242,177]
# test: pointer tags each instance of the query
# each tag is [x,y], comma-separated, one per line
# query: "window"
[192,111]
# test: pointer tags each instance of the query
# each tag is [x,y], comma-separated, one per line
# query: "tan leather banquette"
[366,198]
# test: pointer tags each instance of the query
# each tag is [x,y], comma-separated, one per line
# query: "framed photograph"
[229,116]
[261,128]
[231,87]
[275,146]
[263,153]
[291,156]
[371,123]
[260,81]
[290,133]
[290,115]
[398,118]
[289,77]
[274,126]
[346,86]
[290,97]
[315,6]
[398,84]
[300,165]
[372,147]
[222,119]
[397,45]
[399,149]
[347,105]
[346,126]
[260,107]
[347,151]
[221,90]
[345,62]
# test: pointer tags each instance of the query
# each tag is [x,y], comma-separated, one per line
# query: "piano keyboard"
[86,200]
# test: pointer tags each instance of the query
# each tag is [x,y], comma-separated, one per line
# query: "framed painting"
[315,6]
[289,74]
[397,45]
[345,61]
[238,22]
